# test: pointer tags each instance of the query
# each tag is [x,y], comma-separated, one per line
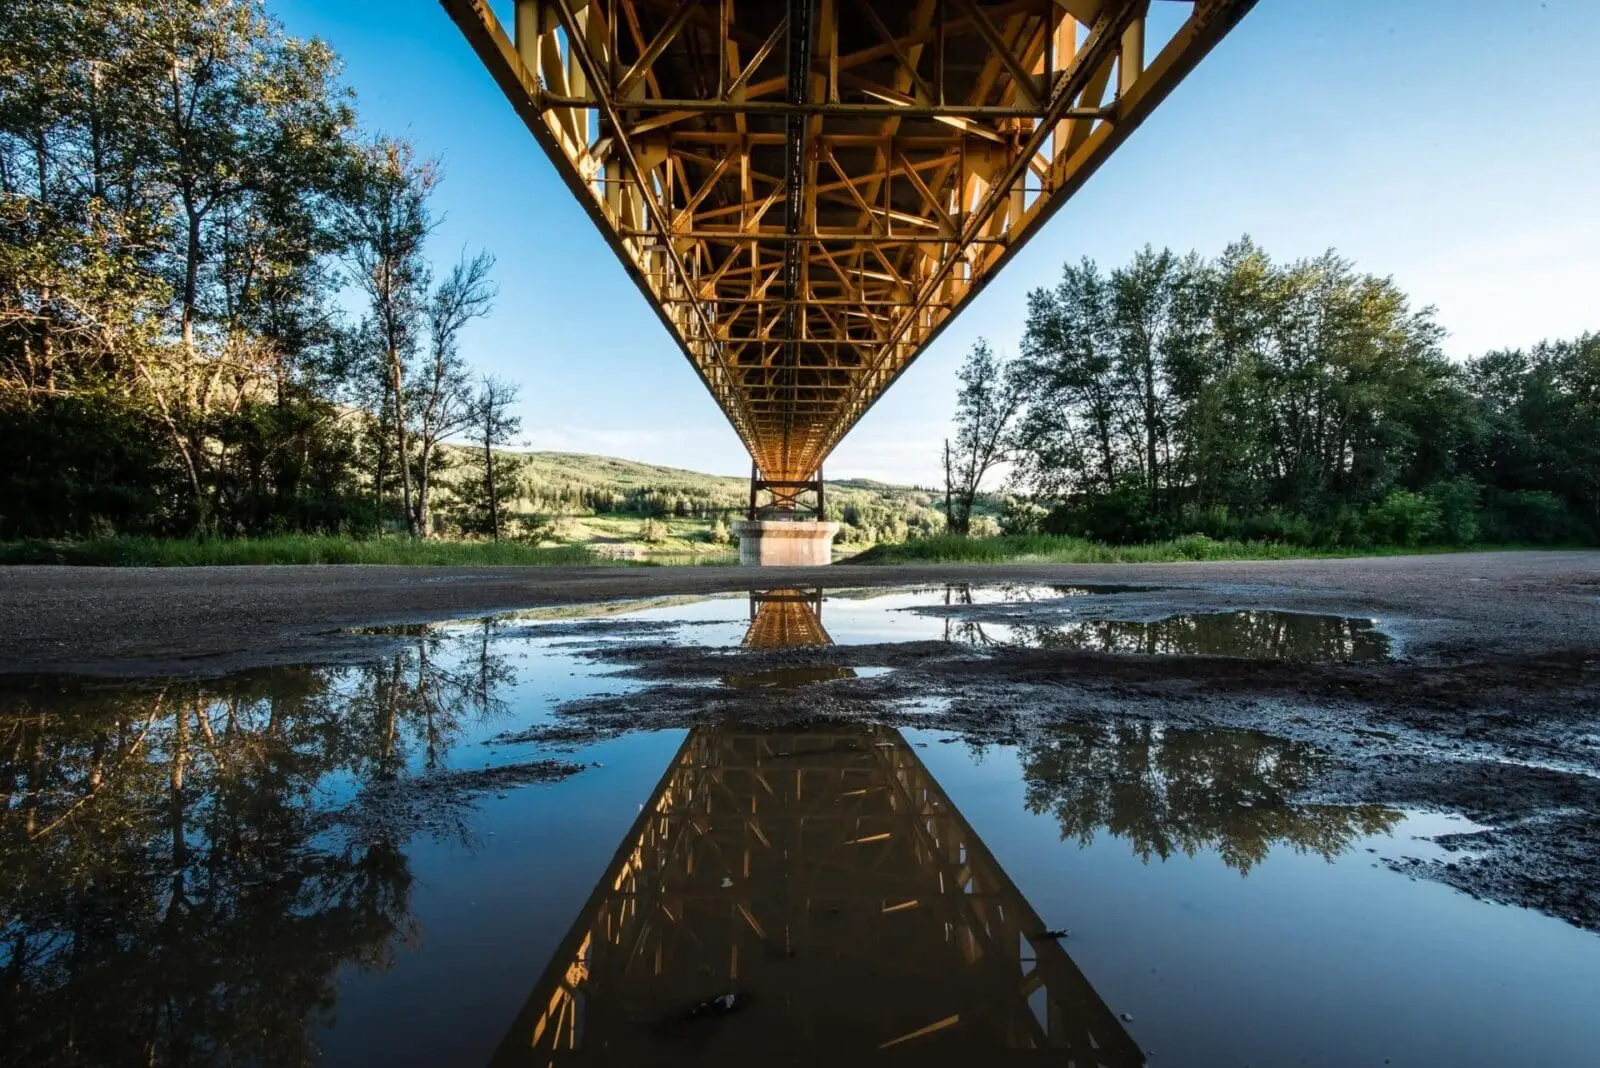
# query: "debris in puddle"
[712,1008]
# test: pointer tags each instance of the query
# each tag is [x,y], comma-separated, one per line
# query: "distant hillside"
[556,467]
[604,499]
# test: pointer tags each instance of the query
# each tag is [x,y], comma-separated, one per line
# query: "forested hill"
[556,484]
[552,468]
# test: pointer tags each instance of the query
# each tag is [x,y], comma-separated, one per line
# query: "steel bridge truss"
[807,191]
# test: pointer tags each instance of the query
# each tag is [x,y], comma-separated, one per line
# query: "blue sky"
[1452,144]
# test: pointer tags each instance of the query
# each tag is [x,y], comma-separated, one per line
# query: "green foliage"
[1457,500]
[285,549]
[1046,548]
[181,185]
[1277,525]
[1121,515]
[1404,518]
[468,509]
[575,485]
[987,404]
[983,526]
[1301,404]
[1537,517]
[1018,515]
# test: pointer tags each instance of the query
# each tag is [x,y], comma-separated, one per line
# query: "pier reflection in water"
[804,894]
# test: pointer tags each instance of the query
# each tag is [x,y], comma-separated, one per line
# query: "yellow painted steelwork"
[807,191]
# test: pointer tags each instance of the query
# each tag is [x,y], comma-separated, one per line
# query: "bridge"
[823,878]
[807,191]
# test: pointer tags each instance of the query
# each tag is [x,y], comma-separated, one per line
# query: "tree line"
[218,312]
[1305,402]
[893,514]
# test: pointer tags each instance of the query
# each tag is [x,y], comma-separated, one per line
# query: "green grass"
[286,549]
[1045,548]
[624,534]
[317,549]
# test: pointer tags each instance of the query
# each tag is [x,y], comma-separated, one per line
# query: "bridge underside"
[807,191]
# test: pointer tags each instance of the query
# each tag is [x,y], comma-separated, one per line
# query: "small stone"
[1127,1017]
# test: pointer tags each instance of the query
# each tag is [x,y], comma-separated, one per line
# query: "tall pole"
[755,474]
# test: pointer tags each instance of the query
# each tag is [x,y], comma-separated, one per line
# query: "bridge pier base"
[785,542]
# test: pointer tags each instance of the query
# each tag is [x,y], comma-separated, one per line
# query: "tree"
[166,171]
[443,398]
[385,223]
[986,406]
[1233,397]
[1067,428]
[492,424]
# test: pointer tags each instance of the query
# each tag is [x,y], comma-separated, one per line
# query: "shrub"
[1194,547]
[1404,518]
[654,532]
[1214,521]
[1279,526]
[533,529]
[1121,517]
[1018,515]
[1346,528]
[984,526]
[1457,501]
[1530,516]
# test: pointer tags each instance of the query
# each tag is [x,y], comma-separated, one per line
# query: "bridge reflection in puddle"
[807,893]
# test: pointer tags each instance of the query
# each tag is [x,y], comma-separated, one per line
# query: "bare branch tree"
[385,224]
[443,399]
[493,424]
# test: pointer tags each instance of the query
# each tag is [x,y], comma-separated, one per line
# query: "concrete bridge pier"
[785,542]
[786,533]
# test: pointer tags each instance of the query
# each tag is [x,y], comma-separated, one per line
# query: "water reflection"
[187,866]
[787,619]
[1259,635]
[811,892]
[1182,791]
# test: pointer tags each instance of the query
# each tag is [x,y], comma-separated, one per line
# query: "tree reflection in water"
[187,866]
[1261,635]
[1182,791]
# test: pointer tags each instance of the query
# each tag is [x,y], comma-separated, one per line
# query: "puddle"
[344,864]
[1067,617]
[1255,635]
